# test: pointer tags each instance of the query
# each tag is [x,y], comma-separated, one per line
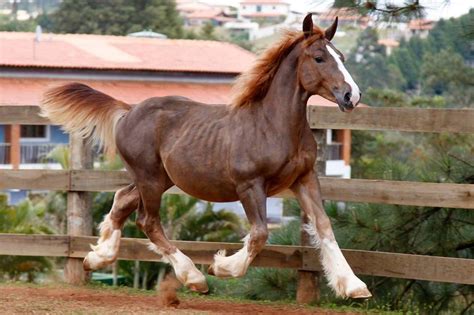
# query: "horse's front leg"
[253,199]
[340,276]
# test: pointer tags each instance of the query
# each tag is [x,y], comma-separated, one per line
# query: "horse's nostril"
[347,97]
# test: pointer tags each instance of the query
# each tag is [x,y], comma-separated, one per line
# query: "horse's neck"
[285,102]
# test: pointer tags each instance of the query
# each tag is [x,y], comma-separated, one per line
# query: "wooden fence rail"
[323,117]
[432,268]
[355,190]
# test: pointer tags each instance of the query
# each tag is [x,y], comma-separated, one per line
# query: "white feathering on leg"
[106,250]
[232,266]
[155,249]
[337,271]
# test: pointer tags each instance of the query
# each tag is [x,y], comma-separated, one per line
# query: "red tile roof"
[122,53]
[29,91]
[421,24]
[204,14]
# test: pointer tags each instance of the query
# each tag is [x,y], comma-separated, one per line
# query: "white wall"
[282,9]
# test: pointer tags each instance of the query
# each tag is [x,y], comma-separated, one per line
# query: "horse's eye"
[319,59]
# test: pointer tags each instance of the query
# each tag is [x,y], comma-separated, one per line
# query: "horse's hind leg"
[148,220]
[106,250]
[253,199]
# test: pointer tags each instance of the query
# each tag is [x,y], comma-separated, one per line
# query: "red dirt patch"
[18,299]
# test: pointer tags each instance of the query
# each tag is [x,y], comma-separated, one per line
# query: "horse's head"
[321,69]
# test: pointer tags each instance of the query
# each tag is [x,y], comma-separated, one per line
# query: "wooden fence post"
[308,281]
[79,215]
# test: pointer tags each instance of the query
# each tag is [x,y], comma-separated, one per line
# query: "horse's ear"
[308,25]
[331,30]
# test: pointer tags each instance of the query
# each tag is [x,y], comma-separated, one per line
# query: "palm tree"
[25,218]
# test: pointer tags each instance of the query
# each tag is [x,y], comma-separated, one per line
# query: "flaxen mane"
[252,86]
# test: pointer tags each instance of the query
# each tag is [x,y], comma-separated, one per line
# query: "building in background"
[420,27]
[269,10]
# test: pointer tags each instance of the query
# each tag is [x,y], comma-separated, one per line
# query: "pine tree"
[116,17]
[367,63]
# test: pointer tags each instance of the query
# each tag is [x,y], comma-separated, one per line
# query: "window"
[259,8]
[34,132]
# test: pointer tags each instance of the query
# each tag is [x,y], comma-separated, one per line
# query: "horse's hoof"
[93,261]
[361,293]
[199,287]
[86,265]
[210,270]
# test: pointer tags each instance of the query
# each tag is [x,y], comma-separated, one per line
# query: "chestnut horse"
[253,148]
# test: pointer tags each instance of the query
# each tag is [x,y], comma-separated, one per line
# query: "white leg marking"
[355,94]
[106,250]
[339,274]
[232,266]
[184,268]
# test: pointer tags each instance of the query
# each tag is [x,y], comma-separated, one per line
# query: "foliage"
[61,155]
[445,73]
[207,31]
[367,64]
[447,47]
[384,9]
[25,218]
[10,24]
[211,226]
[115,17]
[419,230]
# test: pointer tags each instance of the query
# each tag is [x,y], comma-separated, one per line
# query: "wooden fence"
[79,181]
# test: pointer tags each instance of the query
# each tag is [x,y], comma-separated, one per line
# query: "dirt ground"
[62,299]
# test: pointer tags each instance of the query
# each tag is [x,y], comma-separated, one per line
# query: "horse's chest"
[289,172]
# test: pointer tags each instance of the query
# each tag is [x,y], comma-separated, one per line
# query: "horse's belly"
[203,182]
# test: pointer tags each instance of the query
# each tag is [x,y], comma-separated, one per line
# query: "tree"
[367,63]
[11,24]
[211,226]
[207,32]
[25,218]
[384,9]
[116,17]
[445,73]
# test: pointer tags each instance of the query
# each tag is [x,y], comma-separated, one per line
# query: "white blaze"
[355,96]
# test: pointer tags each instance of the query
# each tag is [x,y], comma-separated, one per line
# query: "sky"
[436,9]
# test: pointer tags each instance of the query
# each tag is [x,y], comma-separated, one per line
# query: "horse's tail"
[87,112]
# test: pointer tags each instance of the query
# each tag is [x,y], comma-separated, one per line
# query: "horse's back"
[172,131]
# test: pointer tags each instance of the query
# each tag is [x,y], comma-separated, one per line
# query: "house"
[389,43]
[346,17]
[131,69]
[420,27]
[198,13]
[270,10]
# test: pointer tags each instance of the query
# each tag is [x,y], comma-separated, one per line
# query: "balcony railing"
[4,153]
[333,151]
[37,153]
